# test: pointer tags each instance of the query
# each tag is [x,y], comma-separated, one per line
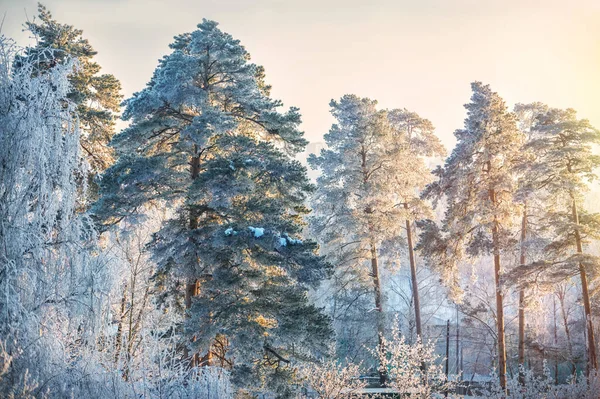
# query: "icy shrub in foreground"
[413,370]
[331,380]
[544,387]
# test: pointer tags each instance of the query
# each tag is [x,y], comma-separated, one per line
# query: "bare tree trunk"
[561,300]
[119,337]
[447,366]
[592,359]
[555,341]
[134,330]
[413,275]
[522,260]
[378,306]
[374,269]
[499,299]
[457,343]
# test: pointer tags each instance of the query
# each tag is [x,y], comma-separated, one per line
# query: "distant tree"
[96,96]
[478,182]
[208,141]
[562,170]
[415,139]
[359,216]
[532,205]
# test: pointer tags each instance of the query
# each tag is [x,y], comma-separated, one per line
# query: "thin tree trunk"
[378,307]
[555,341]
[134,330]
[457,344]
[522,260]
[592,359]
[119,337]
[413,275]
[499,299]
[447,367]
[563,310]
[374,270]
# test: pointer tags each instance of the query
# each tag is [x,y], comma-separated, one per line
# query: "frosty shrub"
[414,370]
[544,387]
[331,380]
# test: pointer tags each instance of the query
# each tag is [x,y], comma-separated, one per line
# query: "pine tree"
[562,169]
[415,139]
[207,140]
[532,203]
[478,183]
[96,96]
[359,217]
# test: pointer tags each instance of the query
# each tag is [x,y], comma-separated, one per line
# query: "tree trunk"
[378,307]
[457,343]
[499,299]
[193,285]
[374,269]
[555,341]
[119,337]
[592,359]
[447,366]
[522,260]
[563,310]
[413,275]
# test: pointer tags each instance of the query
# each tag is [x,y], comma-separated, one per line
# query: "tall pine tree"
[359,216]
[478,183]
[414,136]
[562,170]
[207,140]
[532,204]
[96,96]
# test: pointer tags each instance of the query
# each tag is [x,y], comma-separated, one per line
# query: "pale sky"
[419,54]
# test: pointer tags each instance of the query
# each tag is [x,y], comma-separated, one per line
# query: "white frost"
[257,231]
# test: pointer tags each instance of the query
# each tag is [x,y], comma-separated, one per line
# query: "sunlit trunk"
[413,275]
[592,360]
[378,306]
[499,299]
[522,260]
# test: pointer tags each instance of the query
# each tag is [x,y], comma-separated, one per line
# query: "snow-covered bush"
[331,380]
[544,387]
[414,370]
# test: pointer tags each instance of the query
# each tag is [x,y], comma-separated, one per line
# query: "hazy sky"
[419,54]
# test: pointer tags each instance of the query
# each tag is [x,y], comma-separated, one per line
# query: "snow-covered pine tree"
[208,141]
[96,96]
[532,207]
[479,184]
[414,136]
[562,170]
[359,216]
